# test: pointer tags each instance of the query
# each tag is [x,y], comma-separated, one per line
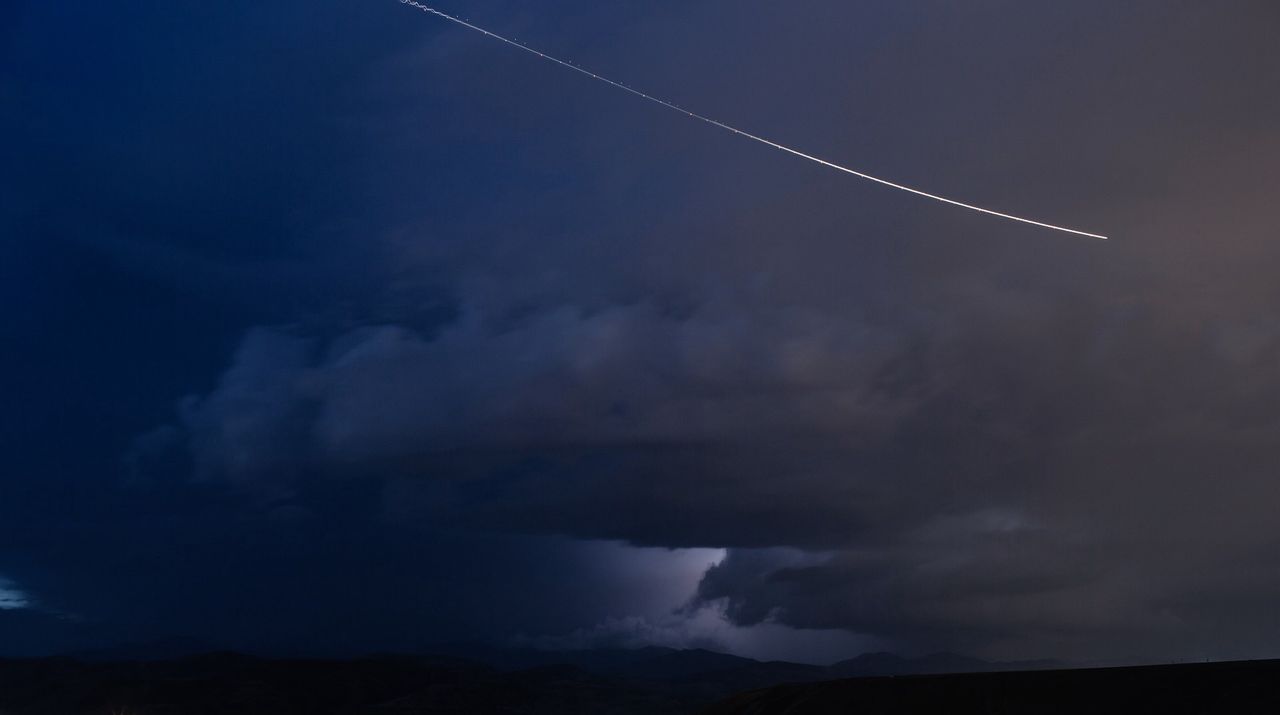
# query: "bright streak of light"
[739,132]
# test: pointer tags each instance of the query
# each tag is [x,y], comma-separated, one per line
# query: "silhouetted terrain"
[159,679]
[881,664]
[1199,689]
[477,679]
[235,684]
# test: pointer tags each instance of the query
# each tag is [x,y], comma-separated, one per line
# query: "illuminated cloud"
[11,598]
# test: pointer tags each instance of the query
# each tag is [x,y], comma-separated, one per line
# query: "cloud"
[1004,466]
[248,427]
[11,597]
[679,617]
[707,627]
[566,377]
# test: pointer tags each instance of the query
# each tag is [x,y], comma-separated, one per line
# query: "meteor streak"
[739,132]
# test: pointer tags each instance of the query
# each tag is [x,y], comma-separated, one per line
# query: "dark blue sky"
[331,327]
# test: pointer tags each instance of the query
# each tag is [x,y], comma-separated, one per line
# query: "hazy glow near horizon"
[11,599]
[739,132]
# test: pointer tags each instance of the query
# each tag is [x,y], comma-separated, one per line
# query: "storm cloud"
[922,429]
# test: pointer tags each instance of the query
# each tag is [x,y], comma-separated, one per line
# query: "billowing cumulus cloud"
[566,378]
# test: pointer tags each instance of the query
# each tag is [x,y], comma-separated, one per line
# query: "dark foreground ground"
[240,685]
[648,681]
[1201,688]
[181,678]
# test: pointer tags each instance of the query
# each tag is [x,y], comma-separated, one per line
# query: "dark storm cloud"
[932,428]
[1027,444]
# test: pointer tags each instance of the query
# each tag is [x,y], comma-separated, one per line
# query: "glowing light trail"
[739,132]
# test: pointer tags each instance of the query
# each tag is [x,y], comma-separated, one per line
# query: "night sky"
[331,327]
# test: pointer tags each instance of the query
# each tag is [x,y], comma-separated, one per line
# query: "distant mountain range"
[888,664]
[180,676]
[696,674]
[652,662]
[673,664]
[165,649]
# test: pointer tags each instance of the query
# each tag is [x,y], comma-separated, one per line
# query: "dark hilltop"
[657,681]
[165,678]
